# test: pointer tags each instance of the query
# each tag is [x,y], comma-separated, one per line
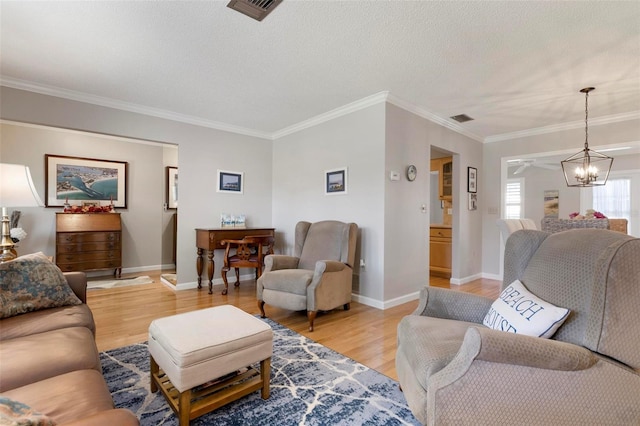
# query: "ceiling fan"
[523,164]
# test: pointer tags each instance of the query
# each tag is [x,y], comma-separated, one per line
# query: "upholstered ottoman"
[202,360]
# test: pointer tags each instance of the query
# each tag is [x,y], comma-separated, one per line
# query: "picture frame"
[79,180]
[335,181]
[473,201]
[472,179]
[172,187]
[230,182]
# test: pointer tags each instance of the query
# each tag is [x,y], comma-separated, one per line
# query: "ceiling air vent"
[256,9]
[461,118]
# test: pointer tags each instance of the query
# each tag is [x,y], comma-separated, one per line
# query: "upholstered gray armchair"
[454,370]
[318,276]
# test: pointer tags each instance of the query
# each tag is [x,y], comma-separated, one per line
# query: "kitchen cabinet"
[440,251]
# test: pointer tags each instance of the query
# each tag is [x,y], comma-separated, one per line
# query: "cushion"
[16,413]
[30,283]
[519,311]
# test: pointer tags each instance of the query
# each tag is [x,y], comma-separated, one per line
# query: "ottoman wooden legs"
[205,398]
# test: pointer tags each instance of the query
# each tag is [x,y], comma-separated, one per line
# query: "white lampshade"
[16,187]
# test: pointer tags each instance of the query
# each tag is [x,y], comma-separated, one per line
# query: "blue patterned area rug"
[310,385]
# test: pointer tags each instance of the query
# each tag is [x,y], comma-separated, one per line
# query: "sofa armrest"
[517,349]
[78,283]
[450,304]
[273,262]
[118,416]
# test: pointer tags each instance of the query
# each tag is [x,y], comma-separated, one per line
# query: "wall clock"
[412,172]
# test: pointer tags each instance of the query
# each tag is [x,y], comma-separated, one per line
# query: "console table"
[209,240]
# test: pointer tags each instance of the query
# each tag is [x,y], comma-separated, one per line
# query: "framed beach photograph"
[551,203]
[78,180]
[335,181]
[472,179]
[231,182]
[172,188]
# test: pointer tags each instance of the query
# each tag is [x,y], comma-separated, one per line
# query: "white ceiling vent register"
[256,9]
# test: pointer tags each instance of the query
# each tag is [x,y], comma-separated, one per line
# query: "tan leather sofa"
[50,362]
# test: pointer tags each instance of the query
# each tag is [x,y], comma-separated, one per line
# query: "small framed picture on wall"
[472,179]
[231,182]
[335,181]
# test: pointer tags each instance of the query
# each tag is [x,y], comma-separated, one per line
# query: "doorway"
[441,213]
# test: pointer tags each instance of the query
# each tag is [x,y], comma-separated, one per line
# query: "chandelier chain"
[586,122]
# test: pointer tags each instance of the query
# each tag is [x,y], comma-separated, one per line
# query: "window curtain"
[613,199]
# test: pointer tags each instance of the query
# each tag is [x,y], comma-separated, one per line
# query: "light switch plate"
[394,175]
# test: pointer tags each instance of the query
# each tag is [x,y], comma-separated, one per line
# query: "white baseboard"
[378,304]
[133,270]
[216,282]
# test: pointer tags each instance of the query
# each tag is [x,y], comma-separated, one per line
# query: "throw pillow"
[517,310]
[30,283]
[16,413]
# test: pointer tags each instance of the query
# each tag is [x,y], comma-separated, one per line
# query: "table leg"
[210,268]
[199,267]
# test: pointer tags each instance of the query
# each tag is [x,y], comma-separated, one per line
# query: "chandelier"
[583,168]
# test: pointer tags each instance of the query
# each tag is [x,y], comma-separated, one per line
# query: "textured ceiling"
[513,66]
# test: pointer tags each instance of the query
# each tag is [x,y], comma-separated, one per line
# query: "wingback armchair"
[454,370]
[318,277]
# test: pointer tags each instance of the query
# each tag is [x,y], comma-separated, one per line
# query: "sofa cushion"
[30,283]
[519,311]
[293,281]
[16,413]
[40,356]
[47,320]
[68,397]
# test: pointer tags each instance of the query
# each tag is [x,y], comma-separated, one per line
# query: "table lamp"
[16,190]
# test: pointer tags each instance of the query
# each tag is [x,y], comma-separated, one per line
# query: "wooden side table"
[209,240]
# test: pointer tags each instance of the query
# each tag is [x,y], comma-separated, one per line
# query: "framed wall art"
[551,203]
[472,179]
[231,182]
[82,180]
[335,181]
[172,187]
[473,201]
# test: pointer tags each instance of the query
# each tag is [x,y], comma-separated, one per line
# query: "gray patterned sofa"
[50,368]
[454,370]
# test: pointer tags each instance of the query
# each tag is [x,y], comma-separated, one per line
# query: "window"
[617,199]
[614,198]
[514,200]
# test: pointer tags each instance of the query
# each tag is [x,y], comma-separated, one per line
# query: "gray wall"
[566,142]
[201,151]
[409,140]
[284,182]
[355,141]
[142,219]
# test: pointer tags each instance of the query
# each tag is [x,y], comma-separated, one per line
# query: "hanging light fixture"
[585,167]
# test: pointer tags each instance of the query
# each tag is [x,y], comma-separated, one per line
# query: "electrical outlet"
[362,263]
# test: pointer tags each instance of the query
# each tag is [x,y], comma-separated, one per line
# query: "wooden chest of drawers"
[89,241]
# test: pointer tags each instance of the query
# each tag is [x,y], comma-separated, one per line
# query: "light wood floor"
[365,334]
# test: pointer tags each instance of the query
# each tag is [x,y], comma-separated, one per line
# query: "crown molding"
[90,133]
[126,106]
[366,102]
[333,114]
[616,118]
[432,117]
